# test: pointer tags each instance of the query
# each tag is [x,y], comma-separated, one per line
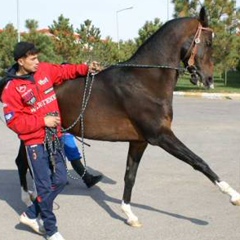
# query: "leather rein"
[191,61]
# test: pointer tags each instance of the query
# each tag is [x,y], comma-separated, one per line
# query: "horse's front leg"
[136,150]
[169,142]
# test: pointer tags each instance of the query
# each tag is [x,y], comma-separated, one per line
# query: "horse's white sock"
[226,188]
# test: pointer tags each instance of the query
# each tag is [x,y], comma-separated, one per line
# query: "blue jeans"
[48,184]
[71,149]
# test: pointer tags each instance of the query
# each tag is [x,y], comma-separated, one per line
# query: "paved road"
[170,198]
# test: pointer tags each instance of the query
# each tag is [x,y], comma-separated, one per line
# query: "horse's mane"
[163,30]
[161,33]
[174,23]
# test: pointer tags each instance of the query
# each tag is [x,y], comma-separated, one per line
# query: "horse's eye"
[208,43]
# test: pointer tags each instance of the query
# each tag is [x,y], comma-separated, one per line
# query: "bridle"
[195,44]
[190,63]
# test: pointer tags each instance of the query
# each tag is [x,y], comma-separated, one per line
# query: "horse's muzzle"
[196,78]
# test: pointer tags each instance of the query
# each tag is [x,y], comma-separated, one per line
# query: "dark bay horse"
[132,101]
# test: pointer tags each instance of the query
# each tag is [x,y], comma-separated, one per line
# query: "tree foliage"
[147,30]
[43,42]
[84,44]
[8,39]
[65,40]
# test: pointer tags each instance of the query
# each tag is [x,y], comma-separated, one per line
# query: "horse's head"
[198,53]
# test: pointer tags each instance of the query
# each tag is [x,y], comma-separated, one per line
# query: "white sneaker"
[55,236]
[34,224]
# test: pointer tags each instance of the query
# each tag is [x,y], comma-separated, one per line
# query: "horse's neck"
[166,45]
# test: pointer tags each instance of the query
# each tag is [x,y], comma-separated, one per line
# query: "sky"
[102,13]
[110,16]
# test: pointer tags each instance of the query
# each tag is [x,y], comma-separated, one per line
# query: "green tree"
[90,41]
[147,30]
[66,41]
[127,50]
[8,39]
[43,42]
[105,51]
[184,8]
[31,25]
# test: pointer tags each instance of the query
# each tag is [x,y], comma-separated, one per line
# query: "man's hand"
[95,67]
[51,121]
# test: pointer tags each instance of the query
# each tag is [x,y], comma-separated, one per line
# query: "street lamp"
[118,11]
[167,10]
[18,22]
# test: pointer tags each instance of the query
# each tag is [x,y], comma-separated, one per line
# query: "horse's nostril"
[210,83]
[210,80]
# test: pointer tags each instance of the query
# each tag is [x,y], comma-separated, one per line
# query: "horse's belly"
[114,130]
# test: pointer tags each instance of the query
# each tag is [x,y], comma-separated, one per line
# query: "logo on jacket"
[9,116]
[48,90]
[21,88]
[28,97]
[43,81]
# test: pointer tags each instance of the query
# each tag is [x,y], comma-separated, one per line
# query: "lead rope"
[52,144]
[86,96]
[85,100]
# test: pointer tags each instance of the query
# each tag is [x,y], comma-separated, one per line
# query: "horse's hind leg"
[22,165]
[169,142]
[136,150]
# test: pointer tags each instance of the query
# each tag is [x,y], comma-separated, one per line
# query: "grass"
[232,86]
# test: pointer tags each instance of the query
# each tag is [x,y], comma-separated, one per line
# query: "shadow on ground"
[10,192]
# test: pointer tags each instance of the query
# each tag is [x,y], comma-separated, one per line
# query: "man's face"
[29,64]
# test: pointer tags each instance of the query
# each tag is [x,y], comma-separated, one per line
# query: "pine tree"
[147,30]
[66,42]
[8,39]
[43,42]
[90,40]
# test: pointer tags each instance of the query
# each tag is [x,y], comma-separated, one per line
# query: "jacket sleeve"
[16,118]
[60,73]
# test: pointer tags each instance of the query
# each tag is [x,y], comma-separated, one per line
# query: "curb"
[209,95]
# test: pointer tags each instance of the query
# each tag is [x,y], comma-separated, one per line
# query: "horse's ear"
[203,18]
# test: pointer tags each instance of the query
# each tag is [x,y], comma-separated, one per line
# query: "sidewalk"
[208,95]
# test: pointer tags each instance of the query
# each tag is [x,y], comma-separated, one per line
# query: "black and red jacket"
[28,99]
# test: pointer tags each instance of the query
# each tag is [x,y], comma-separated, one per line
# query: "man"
[31,110]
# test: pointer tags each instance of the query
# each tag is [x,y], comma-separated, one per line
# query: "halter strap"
[196,41]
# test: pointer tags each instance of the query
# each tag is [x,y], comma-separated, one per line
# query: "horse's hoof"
[235,202]
[135,224]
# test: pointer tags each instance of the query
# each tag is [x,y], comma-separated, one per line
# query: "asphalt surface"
[171,199]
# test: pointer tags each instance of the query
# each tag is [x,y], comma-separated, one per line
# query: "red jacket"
[28,99]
